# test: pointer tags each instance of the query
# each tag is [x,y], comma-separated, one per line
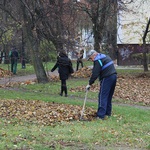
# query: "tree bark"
[29,28]
[145,64]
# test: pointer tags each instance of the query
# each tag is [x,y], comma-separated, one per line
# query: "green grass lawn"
[128,128]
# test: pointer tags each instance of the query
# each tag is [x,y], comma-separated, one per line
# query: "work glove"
[88,87]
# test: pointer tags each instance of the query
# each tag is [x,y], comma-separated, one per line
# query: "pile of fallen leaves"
[84,72]
[54,78]
[130,89]
[12,84]
[42,112]
[134,89]
[4,73]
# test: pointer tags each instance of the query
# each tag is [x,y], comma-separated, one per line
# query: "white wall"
[133,23]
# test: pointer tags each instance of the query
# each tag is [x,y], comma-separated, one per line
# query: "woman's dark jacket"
[64,66]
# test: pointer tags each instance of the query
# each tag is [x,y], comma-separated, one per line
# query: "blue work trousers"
[107,87]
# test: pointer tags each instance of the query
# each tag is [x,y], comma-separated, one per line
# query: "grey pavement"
[16,78]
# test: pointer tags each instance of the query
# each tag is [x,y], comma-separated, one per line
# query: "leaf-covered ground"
[41,112]
[131,89]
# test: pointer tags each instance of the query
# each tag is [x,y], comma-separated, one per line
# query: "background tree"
[145,64]
[8,31]
[29,24]
[40,20]
[59,22]
[103,15]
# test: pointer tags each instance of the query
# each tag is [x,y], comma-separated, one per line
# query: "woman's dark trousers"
[63,88]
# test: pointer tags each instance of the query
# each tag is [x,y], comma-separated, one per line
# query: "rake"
[83,108]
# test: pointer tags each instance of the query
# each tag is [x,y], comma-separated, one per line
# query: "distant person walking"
[79,59]
[64,66]
[104,70]
[13,54]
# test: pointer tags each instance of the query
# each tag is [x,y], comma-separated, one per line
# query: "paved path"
[16,78]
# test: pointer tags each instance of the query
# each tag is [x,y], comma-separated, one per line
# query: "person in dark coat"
[79,59]
[105,70]
[64,66]
[13,54]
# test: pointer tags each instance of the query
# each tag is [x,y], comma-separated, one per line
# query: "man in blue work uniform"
[105,70]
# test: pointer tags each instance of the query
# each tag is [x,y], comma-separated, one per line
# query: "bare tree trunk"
[145,61]
[97,38]
[29,28]
[100,13]
[36,58]
[145,47]
[98,18]
[111,30]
